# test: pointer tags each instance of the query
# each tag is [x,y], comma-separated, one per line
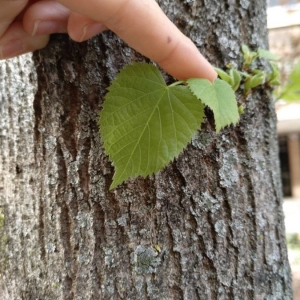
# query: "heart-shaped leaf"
[144,123]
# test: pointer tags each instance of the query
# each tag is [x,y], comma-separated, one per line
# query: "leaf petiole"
[177,83]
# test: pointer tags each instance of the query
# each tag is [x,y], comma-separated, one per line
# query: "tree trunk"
[209,226]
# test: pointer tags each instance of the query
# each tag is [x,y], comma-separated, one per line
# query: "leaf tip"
[115,183]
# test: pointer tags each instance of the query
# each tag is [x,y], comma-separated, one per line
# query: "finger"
[9,11]
[81,28]
[46,17]
[17,41]
[143,25]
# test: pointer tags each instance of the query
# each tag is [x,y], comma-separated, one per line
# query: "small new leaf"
[224,76]
[262,53]
[249,56]
[144,123]
[241,109]
[236,78]
[219,97]
[254,81]
[273,77]
[245,50]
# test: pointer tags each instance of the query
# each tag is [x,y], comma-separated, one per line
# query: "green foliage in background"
[290,91]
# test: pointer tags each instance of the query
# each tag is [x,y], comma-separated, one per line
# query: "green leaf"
[219,97]
[291,96]
[244,74]
[245,50]
[145,124]
[224,76]
[262,53]
[291,91]
[236,78]
[291,87]
[249,56]
[241,109]
[274,82]
[254,81]
[295,74]
[273,78]
[257,79]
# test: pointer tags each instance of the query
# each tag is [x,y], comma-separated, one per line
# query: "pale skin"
[25,26]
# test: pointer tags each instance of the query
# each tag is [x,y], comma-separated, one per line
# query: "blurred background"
[284,41]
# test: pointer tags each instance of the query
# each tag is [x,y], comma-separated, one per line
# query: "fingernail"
[11,49]
[90,30]
[84,30]
[46,27]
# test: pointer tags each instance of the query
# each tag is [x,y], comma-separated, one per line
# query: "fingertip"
[83,32]
[82,28]
[185,61]
[16,47]
[46,17]
[16,42]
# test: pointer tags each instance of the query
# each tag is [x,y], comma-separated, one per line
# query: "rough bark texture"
[210,226]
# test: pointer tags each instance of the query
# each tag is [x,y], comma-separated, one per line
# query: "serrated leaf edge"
[218,129]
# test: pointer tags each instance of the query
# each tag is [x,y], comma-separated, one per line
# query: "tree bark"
[209,226]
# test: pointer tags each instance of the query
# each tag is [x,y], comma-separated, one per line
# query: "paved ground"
[291,209]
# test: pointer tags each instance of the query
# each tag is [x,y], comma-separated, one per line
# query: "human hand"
[140,23]
[13,39]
